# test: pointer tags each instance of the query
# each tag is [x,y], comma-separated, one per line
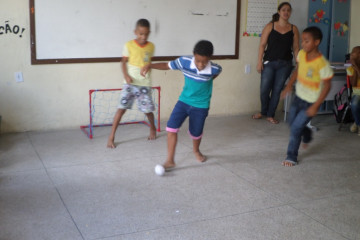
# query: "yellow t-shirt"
[310,76]
[139,56]
[356,89]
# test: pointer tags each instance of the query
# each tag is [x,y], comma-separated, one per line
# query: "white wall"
[299,15]
[56,96]
[354,25]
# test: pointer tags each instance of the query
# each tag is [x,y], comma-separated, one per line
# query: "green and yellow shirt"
[310,76]
[139,56]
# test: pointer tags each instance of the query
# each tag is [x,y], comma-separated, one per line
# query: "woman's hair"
[276,16]
[356,66]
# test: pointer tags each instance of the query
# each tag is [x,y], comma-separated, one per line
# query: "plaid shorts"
[143,98]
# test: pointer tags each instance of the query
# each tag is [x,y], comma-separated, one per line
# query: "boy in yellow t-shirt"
[354,73]
[312,76]
[136,54]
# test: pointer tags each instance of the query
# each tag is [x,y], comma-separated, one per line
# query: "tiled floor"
[61,185]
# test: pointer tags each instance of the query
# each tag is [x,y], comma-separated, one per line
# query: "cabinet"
[332,17]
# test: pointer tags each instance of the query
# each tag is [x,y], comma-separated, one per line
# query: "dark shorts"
[196,116]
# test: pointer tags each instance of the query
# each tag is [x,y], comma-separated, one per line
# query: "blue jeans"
[273,78]
[298,120]
[355,108]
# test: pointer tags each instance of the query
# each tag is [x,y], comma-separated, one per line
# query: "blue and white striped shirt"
[198,84]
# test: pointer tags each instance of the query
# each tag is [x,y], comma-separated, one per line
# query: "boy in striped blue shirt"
[194,100]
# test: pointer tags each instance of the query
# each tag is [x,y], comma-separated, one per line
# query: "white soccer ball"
[159,170]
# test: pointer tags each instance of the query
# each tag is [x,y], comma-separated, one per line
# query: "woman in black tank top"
[278,45]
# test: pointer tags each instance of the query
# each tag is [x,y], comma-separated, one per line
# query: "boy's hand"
[144,70]
[285,92]
[312,110]
[128,79]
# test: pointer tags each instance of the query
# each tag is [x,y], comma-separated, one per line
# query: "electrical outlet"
[247,68]
[19,77]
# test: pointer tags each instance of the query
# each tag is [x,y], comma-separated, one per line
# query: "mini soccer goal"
[103,104]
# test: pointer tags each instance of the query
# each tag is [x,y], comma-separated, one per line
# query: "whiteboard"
[96,30]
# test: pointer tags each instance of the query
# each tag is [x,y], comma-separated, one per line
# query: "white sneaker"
[354,128]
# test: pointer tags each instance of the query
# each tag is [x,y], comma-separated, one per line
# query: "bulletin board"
[258,14]
[81,31]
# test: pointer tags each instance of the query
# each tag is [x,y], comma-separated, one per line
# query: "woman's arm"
[296,41]
[263,42]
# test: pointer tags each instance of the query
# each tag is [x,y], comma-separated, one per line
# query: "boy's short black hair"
[143,23]
[315,32]
[204,48]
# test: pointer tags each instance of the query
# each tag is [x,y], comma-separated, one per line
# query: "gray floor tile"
[62,185]
[313,178]
[271,224]
[67,148]
[123,197]
[32,209]
[17,153]
[341,213]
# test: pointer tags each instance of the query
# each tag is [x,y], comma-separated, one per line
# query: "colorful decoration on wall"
[258,14]
[318,17]
[324,1]
[341,28]
[8,29]
[246,34]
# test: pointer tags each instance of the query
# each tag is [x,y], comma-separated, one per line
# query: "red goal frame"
[88,129]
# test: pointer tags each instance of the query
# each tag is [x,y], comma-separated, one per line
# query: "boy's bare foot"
[257,116]
[110,143]
[288,163]
[152,135]
[305,145]
[168,165]
[200,157]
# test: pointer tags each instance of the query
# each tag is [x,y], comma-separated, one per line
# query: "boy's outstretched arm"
[313,109]
[158,66]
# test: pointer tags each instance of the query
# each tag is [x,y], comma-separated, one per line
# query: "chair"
[348,107]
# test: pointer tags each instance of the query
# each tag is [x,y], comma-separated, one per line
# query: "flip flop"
[257,116]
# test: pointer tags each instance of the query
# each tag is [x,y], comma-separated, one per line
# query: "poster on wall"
[259,13]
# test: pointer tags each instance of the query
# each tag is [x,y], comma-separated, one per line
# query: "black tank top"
[279,46]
